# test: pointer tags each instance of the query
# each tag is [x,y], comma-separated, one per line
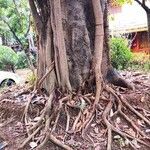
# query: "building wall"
[141,43]
[129,18]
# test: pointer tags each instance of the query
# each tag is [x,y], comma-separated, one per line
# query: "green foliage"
[120,2]
[14,20]
[120,53]
[8,58]
[22,60]
[31,78]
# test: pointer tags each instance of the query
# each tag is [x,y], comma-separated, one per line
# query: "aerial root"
[45,128]
[68,119]
[111,128]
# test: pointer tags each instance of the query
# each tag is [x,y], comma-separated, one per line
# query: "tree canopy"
[14,20]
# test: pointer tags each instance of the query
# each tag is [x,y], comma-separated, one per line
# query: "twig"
[30,137]
[134,111]
[59,143]
[129,120]
[104,116]
[76,121]
[46,133]
[68,118]
[59,110]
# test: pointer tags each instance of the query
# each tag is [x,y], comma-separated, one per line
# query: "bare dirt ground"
[13,129]
[24,74]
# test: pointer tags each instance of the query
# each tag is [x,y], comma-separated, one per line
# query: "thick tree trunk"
[76,38]
[73,63]
[79,30]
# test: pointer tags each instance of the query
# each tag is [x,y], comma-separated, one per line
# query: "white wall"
[130,18]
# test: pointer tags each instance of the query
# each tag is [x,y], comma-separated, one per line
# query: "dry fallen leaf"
[37,119]
[117,137]
[140,122]
[142,99]
[93,125]
[118,120]
[33,144]
[147,130]
[96,130]
[130,131]
[111,113]
[135,143]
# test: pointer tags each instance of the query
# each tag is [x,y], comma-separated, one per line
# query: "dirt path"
[23,73]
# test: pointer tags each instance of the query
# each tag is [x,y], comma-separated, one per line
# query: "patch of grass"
[120,53]
[140,61]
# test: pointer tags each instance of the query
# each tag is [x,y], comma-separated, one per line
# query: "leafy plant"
[15,20]
[22,60]
[120,53]
[31,78]
[8,58]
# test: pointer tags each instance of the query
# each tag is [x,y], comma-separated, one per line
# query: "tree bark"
[66,31]
[148,24]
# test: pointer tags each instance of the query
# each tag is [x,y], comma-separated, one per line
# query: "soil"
[13,130]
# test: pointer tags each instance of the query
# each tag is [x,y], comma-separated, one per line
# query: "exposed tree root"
[134,111]
[44,77]
[48,123]
[60,144]
[30,137]
[115,78]
[105,114]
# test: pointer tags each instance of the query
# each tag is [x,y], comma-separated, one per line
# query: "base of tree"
[116,79]
[61,117]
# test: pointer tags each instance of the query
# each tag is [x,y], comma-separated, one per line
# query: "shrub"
[8,58]
[120,53]
[22,60]
[31,78]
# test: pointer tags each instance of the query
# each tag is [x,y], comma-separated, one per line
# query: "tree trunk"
[69,28]
[73,67]
[78,25]
[148,24]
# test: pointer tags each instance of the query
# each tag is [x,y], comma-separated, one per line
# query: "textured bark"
[98,47]
[148,24]
[78,33]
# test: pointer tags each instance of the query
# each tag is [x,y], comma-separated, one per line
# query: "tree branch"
[98,46]
[16,9]
[28,29]
[13,32]
[142,4]
[35,14]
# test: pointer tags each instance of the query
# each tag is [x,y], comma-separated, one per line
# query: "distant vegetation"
[121,55]
[123,58]
[10,60]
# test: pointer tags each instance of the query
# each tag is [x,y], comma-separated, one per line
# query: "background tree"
[15,20]
[143,4]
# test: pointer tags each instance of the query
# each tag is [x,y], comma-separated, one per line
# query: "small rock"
[117,137]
